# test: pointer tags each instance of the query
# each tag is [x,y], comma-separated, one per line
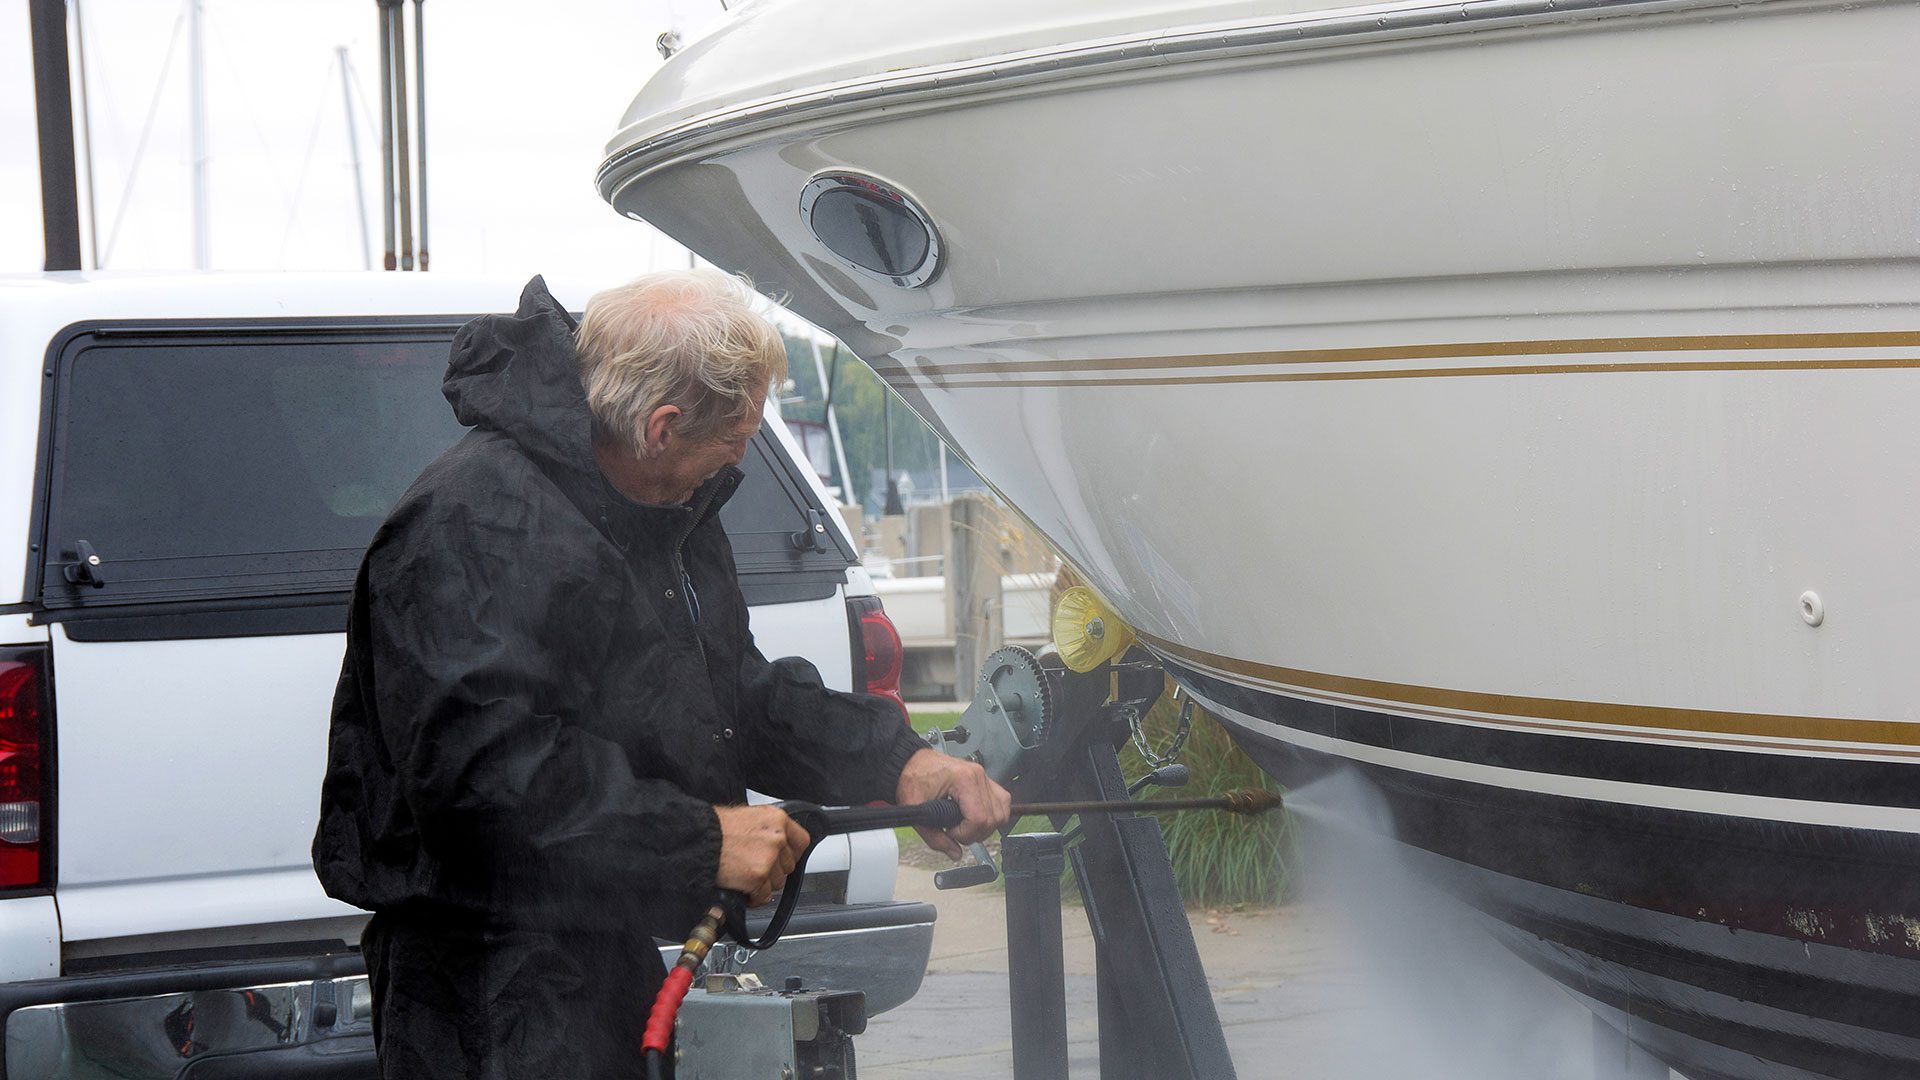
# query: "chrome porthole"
[872,227]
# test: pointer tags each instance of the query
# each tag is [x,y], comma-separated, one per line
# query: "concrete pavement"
[1271,973]
[1329,988]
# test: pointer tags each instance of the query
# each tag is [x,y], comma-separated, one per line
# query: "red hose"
[665,1007]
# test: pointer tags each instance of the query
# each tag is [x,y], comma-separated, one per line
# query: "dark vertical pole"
[833,429]
[833,374]
[893,482]
[386,129]
[420,104]
[53,107]
[1157,1016]
[1117,1041]
[1036,963]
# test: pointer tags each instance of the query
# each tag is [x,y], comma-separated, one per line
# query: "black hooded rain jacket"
[546,688]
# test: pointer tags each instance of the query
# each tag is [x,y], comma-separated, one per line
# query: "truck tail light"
[25,806]
[876,649]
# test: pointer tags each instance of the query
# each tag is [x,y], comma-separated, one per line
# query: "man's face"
[691,463]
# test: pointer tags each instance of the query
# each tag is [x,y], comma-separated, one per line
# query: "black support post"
[1156,1011]
[1157,1017]
[1036,968]
[53,108]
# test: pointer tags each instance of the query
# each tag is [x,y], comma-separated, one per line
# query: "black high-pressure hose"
[941,813]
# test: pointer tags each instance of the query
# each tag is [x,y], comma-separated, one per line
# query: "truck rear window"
[207,465]
[252,462]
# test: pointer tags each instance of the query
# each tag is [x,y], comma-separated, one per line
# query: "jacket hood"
[519,375]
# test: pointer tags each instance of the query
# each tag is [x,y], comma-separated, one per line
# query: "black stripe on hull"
[1856,888]
[1708,1001]
[1741,949]
[1705,1060]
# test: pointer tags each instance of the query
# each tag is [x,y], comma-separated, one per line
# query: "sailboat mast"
[197,118]
[386,132]
[353,152]
[402,157]
[86,132]
[833,421]
[420,106]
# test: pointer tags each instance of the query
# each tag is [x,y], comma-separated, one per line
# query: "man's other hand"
[759,847]
[984,804]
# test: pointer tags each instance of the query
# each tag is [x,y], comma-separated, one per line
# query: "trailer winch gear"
[1011,716]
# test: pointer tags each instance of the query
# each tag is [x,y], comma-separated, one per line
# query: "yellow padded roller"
[1086,631]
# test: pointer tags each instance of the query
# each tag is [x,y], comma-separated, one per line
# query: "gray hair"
[689,338]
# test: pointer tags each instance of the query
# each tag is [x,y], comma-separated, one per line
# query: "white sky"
[521,98]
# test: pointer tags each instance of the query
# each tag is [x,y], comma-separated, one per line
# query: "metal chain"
[1161,759]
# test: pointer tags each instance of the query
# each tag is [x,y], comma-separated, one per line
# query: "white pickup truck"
[190,467]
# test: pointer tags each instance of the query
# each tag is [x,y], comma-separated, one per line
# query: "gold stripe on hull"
[1604,715]
[1445,351]
[937,376]
[1542,727]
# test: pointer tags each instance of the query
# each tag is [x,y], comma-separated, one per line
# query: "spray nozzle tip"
[1253,801]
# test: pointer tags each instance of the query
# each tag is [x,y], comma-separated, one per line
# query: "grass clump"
[1218,859]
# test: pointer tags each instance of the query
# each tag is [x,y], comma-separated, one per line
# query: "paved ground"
[1374,983]
[958,1025]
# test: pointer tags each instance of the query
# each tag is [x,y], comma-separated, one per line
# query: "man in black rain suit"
[551,706]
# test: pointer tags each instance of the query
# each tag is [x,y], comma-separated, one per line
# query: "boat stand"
[1156,1012]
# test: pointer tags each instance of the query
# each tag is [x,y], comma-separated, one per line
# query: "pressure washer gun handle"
[819,823]
[940,813]
[980,871]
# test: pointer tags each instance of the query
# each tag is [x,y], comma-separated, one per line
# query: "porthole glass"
[872,227]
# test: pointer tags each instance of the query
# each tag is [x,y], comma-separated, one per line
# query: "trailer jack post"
[1036,962]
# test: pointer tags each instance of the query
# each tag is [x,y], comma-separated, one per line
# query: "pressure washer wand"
[944,813]
[1249,802]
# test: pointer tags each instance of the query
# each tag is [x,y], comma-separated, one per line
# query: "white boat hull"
[1516,405]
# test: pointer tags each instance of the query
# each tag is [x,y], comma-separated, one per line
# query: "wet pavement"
[1272,975]
[1302,991]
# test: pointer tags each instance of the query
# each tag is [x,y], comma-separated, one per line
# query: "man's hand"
[984,804]
[759,847]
